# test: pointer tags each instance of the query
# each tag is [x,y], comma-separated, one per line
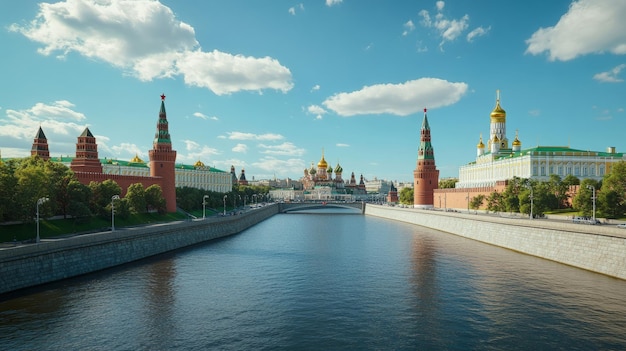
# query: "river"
[325,281]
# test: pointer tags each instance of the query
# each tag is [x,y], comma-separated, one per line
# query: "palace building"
[161,169]
[497,162]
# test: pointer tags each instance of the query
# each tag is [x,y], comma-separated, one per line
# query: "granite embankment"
[597,248]
[52,260]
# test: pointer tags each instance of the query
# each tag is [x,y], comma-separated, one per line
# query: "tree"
[560,189]
[448,183]
[477,201]
[614,184]
[78,197]
[495,202]
[32,184]
[583,202]
[136,197]
[406,196]
[102,194]
[570,180]
[8,184]
[154,198]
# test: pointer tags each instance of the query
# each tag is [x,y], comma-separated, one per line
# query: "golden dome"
[136,159]
[498,115]
[322,164]
[198,164]
[516,142]
[480,143]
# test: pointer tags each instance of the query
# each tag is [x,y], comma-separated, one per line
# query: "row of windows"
[577,171]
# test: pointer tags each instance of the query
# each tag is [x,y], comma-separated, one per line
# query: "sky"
[270,86]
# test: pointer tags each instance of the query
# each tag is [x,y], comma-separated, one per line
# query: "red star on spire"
[424,109]
[162,96]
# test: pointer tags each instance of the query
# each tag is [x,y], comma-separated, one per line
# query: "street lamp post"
[593,198]
[204,206]
[113,198]
[225,196]
[39,203]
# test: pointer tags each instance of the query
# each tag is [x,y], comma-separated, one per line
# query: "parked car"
[622,225]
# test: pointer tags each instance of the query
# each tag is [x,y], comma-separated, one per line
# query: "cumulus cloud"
[342,145]
[330,3]
[610,76]
[125,149]
[273,165]
[589,26]
[252,136]
[146,40]
[316,110]
[241,148]
[196,152]
[292,10]
[397,99]
[284,149]
[408,27]
[316,87]
[449,29]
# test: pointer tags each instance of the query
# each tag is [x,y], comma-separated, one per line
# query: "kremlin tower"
[40,146]
[163,158]
[86,159]
[426,175]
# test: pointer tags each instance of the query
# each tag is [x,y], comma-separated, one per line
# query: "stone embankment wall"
[600,248]
[51,260]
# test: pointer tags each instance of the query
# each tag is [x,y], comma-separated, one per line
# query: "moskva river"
[325,281]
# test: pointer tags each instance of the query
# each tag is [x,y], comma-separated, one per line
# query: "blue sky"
[267,85]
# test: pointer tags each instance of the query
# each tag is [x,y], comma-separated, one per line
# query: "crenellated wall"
[53,260]
[600,249]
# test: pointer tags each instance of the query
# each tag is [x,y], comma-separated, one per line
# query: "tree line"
[521,194]
[24,181]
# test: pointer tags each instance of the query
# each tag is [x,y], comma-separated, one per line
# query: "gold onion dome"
[136,159]
[516,142]
[322,164]
[480,143]
[198,164]
[498,114]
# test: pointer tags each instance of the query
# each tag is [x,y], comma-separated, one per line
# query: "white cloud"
[224,73]
[126,150]
[610,76]
[191,145]
[478,32]
[316,87]
[292,10]
[146,40]
[273,165]
[252,136]
[316,110]
[241,148]
[196,152]
[408,27]
[284,149]
[589,26]
[449,29]
[330,3]
[342,145]
[200,115]
[398,99]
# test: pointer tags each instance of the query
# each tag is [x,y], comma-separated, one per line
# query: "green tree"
[448,183]
[560,189]
[154,198]
[102,193]
[406,196]
[570,180]
[477,201]
[78,197]
[583,202]
[495,202]
[136,197]
[32,184]
[614,187]
[8,184]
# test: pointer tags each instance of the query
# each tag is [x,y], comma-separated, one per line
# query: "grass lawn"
[60,227]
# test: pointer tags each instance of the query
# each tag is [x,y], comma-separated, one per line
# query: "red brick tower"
[426,175]
[242,178]
[163,159]
[40,146]
[86,159]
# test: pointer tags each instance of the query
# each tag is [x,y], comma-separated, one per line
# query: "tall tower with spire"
[425,175]
[86,159]
[163,159]
[40,146]
[497,136]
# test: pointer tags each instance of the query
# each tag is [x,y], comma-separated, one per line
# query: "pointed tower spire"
[86,159]
[163,159]
[426,175]
[40,146]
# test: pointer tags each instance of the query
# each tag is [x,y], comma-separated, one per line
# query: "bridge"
[287,207]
